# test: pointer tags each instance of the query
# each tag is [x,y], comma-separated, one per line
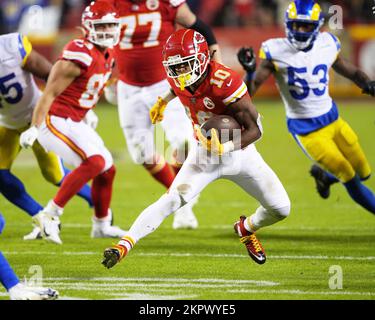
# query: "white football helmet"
[102,24]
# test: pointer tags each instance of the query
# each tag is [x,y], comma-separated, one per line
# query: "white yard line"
[300,292]
[205,255]
[173,280]
[230,227]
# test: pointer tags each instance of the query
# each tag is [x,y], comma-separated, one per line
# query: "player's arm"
[353,73]
[188,19]
[244,111]
[62,75]
[254,77]
[37,65]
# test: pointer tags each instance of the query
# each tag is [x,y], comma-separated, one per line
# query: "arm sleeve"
[233,89]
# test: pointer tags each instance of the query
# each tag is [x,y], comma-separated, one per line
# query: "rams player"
[18,96]
[17,290]
[300,63]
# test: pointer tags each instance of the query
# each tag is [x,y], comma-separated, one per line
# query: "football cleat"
[103,228]
[184,218]
[114,255]
[35,234]
[23,292]
[322,181]
[49,226]
[249,239]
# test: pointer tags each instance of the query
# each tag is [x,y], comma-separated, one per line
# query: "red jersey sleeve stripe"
[239,93]
[79,56]
[65,139]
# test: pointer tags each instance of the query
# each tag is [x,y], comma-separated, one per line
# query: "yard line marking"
[142,296]
[300,292]
[178,280]
[125,286]
[205,255]
[230,227]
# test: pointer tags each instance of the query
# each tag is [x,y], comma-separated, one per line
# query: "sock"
[127,242]
[2,223]
[102,192]
[161,171]
[361,194]
[75,180]
[13,189]
[84,193]
[7,276]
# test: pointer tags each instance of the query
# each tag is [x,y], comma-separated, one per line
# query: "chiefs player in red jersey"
[74,86]
[207,88]
[146,25]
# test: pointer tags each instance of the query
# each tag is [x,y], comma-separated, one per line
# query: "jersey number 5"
[12,92]
[142,19]
[294,80]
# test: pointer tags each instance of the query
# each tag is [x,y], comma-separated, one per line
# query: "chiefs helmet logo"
[152,4]
[198,38]
[208,103]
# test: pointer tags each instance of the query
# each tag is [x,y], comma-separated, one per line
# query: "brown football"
[227,126]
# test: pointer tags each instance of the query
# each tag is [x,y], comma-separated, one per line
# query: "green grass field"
[208,263]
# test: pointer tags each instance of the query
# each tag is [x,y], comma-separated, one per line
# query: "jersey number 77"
[143,19]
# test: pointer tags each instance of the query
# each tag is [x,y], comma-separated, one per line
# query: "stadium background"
[208,263]
[51,23]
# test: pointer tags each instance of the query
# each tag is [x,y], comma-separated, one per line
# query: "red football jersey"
[146,26]
[84,92]
[221,87]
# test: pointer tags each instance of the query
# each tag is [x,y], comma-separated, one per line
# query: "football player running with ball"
[146,25]
[207,88]
[73,88]
[301,64]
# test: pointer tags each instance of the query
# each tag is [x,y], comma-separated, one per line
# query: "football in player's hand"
[227,127]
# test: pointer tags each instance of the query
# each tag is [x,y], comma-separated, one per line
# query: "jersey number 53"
[296,81]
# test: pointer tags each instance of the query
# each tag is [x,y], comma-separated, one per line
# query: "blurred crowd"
[219,13]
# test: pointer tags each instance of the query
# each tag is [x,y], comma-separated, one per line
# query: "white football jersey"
[302,77]
[18,90]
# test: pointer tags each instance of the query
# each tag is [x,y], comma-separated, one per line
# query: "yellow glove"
[213,145]
[157,110]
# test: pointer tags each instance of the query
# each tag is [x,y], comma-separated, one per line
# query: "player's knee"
[96,163]
[180,153]
[344,171]
[170,202]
